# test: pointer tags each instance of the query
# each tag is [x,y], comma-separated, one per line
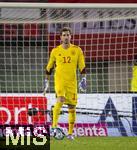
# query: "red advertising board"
[31,30]
[14,109]
[103,47]
[14,31]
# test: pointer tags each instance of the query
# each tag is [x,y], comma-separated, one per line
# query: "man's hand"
[46,85]
[83,84]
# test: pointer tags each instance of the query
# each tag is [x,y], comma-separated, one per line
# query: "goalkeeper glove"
[83,84]
[46,85]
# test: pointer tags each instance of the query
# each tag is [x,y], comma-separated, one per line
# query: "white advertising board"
[117,110]
[97,114]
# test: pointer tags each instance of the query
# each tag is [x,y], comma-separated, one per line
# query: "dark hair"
[65,29]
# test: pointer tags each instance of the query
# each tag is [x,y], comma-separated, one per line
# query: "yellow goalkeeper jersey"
[134,79]
[66,62]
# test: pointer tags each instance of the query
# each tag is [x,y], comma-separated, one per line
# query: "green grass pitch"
[84,143]
[95,143]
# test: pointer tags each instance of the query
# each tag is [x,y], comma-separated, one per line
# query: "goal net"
[108,38]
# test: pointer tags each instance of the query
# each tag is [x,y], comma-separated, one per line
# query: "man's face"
[65,37]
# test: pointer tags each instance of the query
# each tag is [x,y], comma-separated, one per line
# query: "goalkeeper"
[134,76]
[66,58]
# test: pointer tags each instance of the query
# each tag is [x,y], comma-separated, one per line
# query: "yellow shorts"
[70,94]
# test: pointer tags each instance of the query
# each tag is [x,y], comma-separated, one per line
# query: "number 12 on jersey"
[67,59]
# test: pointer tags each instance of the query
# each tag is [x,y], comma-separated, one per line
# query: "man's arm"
[81,62]
[51,63]
[82,68]
[49,69]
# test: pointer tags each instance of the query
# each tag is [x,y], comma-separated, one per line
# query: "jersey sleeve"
[51,62]
[81,61]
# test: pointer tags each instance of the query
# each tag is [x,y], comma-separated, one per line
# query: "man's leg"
[72,118]
[56,111]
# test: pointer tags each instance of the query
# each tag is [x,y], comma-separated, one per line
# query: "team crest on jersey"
[73,52]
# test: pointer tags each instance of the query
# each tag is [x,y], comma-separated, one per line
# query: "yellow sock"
[56,113]
[72,118]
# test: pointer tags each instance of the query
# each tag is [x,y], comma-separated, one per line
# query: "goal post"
[107,35]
